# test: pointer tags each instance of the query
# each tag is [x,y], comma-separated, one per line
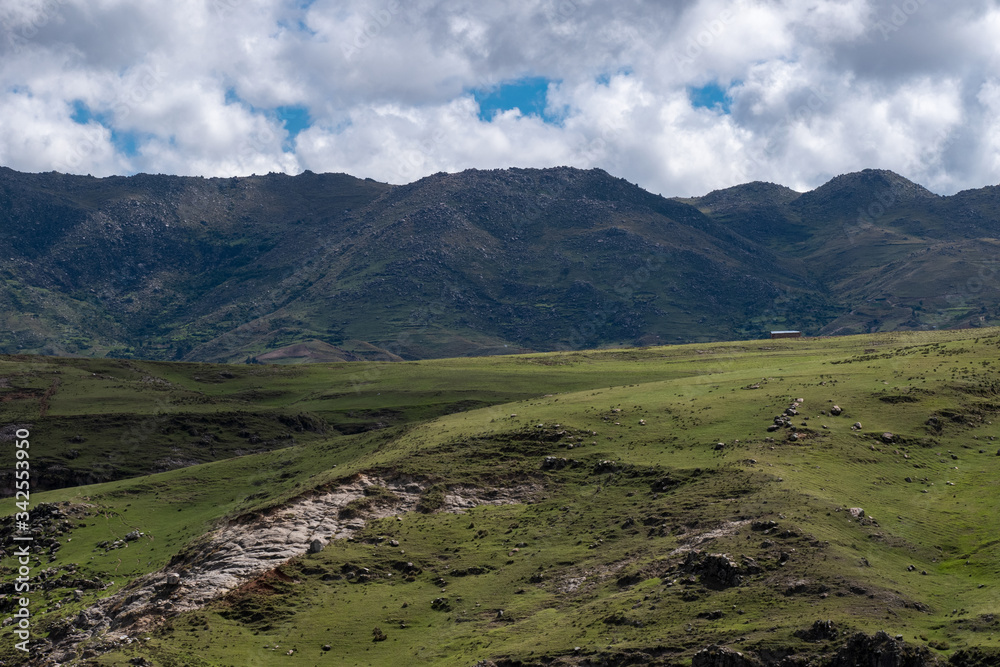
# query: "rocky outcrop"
[881,650]
[718,570]
[243,550]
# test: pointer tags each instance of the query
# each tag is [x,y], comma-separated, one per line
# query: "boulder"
[836,410]
[714,569]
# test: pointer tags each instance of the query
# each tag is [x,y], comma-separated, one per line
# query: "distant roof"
[774,332]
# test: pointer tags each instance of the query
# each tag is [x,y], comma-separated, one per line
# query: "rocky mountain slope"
[320,267]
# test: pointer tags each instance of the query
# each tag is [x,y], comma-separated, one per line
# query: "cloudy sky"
[679,96]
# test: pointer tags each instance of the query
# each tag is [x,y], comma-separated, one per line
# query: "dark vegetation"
[326,267]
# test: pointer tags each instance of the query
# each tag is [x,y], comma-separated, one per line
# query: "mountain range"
[328,267]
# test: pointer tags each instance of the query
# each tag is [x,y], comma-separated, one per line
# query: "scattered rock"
[856,512]
[836,410]
[856,426]
[887,437]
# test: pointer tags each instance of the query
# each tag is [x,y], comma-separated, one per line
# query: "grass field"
[669,519]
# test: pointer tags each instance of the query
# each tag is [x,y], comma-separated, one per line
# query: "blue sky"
[529,95]
[711,96]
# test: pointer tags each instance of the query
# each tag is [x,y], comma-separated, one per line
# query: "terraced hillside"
[799,502]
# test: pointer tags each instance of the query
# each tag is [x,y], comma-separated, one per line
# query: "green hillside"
[626,506]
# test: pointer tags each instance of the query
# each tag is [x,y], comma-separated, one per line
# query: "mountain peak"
[861,190]
[746,196]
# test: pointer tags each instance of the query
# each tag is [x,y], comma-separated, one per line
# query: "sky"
[681,97]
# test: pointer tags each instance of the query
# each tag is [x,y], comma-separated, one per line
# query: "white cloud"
[819,87]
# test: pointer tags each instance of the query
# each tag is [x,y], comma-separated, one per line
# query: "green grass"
[594,565]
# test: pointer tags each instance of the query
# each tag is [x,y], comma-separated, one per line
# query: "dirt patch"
[691,541]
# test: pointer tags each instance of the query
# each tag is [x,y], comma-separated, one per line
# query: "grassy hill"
[654,506]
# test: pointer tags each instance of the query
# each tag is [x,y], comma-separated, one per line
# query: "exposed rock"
[554,463]
[881,650]
[820,631]
[605,466]
[857,512]
[721,656]
[836,410]
[975,657]
[243,550]
[763,525]
[856,426]
[714,569]
[887,437]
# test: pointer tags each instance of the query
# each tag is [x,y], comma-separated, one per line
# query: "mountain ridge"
[476,262]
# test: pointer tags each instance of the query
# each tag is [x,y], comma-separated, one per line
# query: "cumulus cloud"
[799,91]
